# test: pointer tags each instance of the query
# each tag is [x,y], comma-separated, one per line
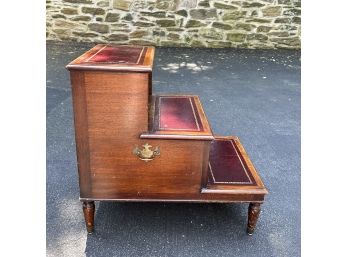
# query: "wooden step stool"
[135,146]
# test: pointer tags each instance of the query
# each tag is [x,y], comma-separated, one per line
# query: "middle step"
[177,117]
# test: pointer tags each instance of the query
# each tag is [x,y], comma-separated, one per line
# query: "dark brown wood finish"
[114,100]
[253,215]
[88,211]
[116,118]
[169,185]
[176,171]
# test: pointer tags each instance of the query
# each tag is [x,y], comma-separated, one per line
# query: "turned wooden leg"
[88,211]
[253,214]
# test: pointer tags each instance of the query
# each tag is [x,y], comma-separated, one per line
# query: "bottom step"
[230,167]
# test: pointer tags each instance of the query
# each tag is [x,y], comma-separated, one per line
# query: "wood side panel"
[81,131]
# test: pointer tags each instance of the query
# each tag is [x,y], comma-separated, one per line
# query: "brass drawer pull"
[146,154]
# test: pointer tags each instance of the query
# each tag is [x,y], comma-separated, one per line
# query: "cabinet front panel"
[177,170]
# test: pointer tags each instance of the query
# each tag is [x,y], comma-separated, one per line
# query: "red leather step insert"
[178,113]
[226,165]
[118,55]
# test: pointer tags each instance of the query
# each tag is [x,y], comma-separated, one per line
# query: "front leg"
[88,211]
[253,215]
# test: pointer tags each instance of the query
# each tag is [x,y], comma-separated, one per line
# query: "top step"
[109,57]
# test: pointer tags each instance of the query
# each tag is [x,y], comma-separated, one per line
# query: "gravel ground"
[253,94]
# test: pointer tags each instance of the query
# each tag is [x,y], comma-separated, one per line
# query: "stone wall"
[186,23]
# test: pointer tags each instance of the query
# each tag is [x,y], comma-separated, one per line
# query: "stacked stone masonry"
[182,23]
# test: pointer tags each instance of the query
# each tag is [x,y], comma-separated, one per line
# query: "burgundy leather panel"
[118,55]
[177,113]
[226,165]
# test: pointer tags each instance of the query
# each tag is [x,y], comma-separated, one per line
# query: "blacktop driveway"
[253,94]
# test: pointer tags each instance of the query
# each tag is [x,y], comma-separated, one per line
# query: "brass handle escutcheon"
[146,154]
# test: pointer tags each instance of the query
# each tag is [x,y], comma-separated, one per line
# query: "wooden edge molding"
[149,135]
[170,200]
[251,191]
[110,67]
[149,57]
[204,119]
